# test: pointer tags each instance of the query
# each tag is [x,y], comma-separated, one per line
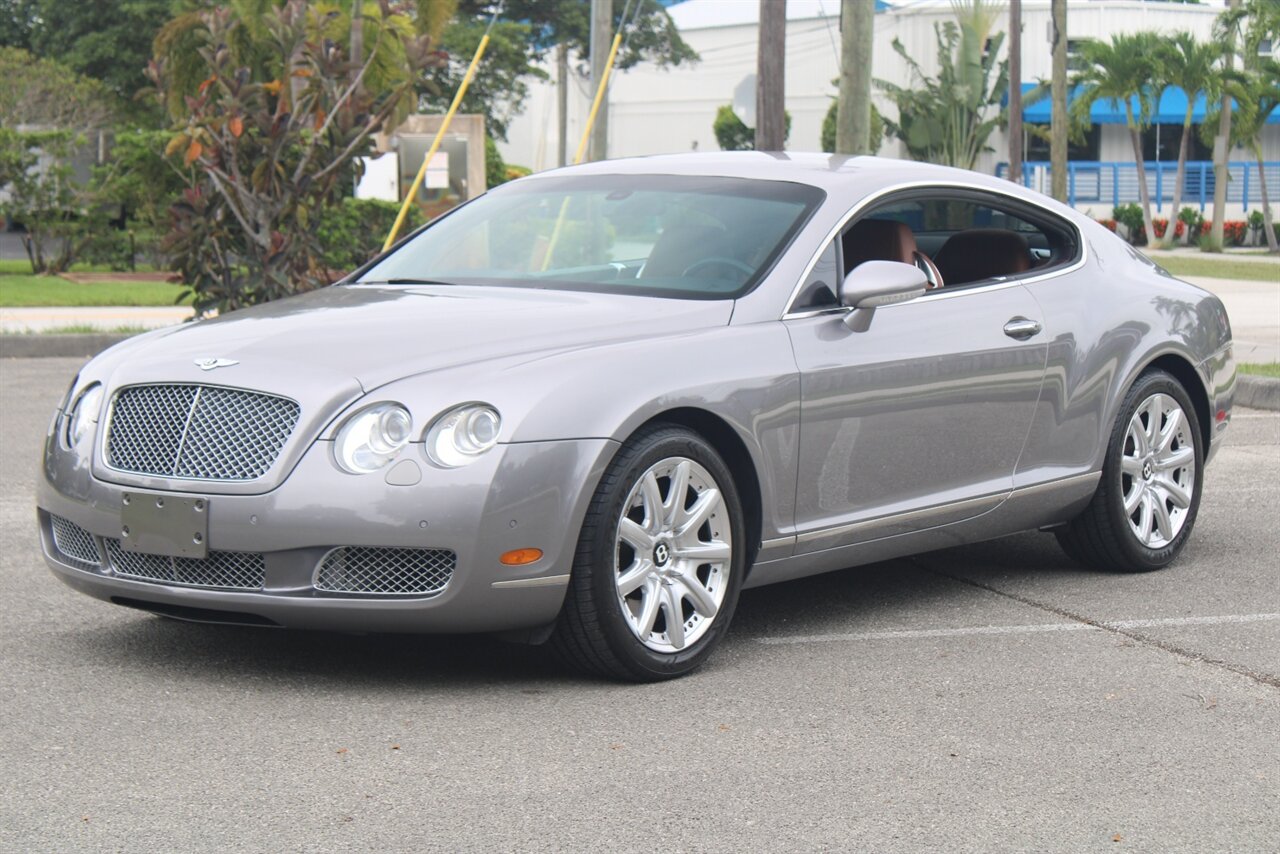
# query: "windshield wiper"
[403,282]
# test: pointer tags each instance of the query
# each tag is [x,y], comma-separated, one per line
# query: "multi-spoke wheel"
[659,563]
[1150,489]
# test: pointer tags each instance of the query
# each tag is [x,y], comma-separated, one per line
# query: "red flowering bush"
[1234,231]
[1109,224]
[1161,224]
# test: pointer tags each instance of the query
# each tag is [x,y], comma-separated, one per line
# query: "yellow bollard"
[435,144]
[582,145]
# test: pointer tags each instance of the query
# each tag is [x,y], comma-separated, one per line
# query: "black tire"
[592,635]
[1101,537]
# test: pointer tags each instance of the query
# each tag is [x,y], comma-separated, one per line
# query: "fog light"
[521,557]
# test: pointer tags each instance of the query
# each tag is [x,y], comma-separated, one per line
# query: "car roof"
[825,171]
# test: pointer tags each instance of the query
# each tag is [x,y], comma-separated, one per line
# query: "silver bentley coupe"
[591,406]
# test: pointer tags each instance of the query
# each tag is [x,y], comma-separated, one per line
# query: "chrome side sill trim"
[544,581]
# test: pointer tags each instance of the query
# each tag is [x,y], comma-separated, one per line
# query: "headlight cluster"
[83,413]
[374,436]
[462,434]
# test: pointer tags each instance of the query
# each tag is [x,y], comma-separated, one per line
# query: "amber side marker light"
[521,557]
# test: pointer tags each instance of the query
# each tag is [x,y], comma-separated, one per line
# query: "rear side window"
[961,239]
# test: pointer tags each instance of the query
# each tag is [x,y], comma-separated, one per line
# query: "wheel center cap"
[1147,470]
[661,554]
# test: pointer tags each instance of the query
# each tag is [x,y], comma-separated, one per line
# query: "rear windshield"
[649,235]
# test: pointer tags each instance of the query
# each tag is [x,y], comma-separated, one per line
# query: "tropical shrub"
[1109,224]
[41,193]
[829,128]
[1160,225]
[268,143]
[352,232]
[1193,220]
[1256,223]
[732,134]
[1234,232]
[949,118]
[1130,216]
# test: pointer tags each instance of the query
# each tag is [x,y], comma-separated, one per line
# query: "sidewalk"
[44,319]
[1251,254]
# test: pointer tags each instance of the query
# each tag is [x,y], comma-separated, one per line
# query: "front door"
[917,421]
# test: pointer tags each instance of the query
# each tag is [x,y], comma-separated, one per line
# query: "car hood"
[373,335]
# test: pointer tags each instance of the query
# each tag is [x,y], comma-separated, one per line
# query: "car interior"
[956,241]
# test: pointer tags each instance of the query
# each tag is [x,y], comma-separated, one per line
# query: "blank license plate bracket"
[159,524]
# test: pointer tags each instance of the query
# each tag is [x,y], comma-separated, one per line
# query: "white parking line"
[1015,630]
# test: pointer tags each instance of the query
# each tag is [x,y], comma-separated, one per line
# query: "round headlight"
[462,434]
[372,437]
[84,412]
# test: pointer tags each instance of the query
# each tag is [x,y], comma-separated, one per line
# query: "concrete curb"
[37,346]
[1257,392]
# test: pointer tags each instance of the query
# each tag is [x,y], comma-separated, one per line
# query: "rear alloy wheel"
[659,562]
[1147,499]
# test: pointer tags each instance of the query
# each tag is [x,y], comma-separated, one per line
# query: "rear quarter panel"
[1107,323]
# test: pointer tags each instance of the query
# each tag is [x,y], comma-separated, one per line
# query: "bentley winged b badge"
[210,364]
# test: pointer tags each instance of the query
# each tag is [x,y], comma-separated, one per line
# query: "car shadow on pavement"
[888,594]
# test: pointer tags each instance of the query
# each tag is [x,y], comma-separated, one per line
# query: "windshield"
[653,235]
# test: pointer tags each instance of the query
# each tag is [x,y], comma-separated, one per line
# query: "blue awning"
[1171,110]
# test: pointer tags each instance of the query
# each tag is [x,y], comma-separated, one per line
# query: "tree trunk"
[1176,204]
[1268,223]
[562,105]
[1058,94]
[601,41]
[853,109]
[771,121]
[1222,151]
[1015,91]
[357,38]
[1135,135]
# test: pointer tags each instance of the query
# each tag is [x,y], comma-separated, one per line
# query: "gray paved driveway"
[992,697]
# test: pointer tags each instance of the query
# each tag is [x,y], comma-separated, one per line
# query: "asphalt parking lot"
[992,697]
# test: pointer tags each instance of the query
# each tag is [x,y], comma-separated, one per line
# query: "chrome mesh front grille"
[74,542]
[405,572]
[198,431]
[227,570]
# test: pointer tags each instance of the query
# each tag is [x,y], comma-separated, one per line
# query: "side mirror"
[875,284]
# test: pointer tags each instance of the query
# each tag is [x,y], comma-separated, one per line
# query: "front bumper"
[525,495]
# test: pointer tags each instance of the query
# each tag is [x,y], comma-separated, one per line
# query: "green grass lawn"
[23,266]
[28,290]
[1261,369]
[1221,267]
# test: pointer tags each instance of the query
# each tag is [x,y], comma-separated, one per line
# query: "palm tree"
[1193,67]
[1226,31]
[1121,70]
[1256,92]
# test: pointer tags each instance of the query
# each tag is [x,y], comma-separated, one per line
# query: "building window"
[1161,142]
[1265,47]
[1038,144]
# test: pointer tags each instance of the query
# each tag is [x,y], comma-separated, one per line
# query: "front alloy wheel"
[659,564]
[674,550]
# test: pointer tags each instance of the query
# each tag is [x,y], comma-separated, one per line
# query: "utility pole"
[1058,94]
[601,39]
[1221,152]
[562,104]
[853,108]
[1015,91]
[771,120]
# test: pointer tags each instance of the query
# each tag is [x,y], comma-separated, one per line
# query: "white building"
[655,111]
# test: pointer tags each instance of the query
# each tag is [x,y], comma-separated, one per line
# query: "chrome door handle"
[1022,328]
